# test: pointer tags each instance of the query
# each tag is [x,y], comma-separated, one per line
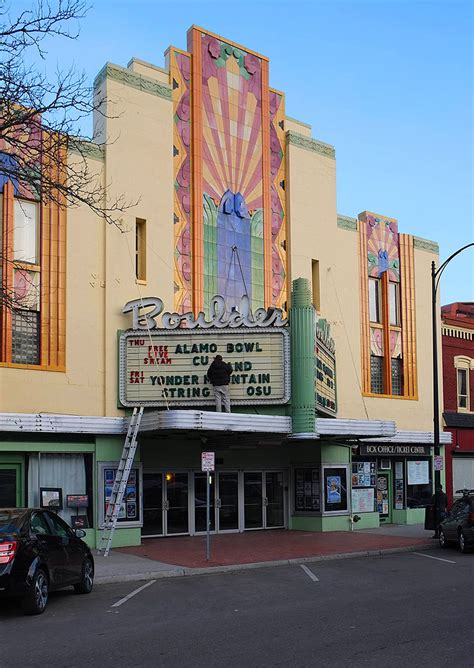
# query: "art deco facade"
[234,198]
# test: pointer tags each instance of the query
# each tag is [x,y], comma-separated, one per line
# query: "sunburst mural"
[382,247]
[230,226]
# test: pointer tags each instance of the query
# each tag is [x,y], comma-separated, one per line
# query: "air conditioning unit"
[385,464]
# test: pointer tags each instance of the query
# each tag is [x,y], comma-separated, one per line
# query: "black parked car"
[458,525]
[39,552]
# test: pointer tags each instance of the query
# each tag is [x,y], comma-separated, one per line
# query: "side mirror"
[79,533]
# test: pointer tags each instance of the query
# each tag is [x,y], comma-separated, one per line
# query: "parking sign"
[207,461]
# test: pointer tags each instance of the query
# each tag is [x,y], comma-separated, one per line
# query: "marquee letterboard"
[166,367]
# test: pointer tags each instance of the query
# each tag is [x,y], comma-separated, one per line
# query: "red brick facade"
[458,352]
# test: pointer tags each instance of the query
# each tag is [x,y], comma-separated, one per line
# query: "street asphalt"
[410,608]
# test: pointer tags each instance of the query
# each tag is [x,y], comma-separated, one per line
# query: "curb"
[185,571]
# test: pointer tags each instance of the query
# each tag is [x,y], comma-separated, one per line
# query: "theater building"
[234,247]
[457,329]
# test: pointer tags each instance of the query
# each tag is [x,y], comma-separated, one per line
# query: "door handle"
[166,505]
[265,501]
[218,503]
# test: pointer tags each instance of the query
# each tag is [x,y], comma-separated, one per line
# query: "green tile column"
[302,358]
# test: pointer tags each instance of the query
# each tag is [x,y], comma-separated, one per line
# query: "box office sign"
[169,367]
[394,450]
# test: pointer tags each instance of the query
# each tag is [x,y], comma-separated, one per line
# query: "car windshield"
[9,521]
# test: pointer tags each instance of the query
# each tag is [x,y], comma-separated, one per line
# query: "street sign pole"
[208,517]
[208,466]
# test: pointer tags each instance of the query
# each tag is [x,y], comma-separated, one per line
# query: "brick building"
[458,381]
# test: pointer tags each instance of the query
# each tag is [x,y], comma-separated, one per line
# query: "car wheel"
[35,601]
[87,578]
[442,539]
[462,542]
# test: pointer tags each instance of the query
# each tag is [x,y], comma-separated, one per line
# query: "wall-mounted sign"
[219,315]
[77,500]
[325,369]
[363,500]
[165,367]
[394,449]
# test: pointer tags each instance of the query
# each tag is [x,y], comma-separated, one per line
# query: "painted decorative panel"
[180,76]
[238,177]
[376,341]
[278,198]
[395,343]
[20,152]
[382,247]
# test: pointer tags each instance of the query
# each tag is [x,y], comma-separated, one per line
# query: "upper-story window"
[374,300]
[25,232]
[463,365]
[394,303]
[140,249]
[463,384]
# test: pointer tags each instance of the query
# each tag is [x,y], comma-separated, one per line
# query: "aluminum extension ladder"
[120,482]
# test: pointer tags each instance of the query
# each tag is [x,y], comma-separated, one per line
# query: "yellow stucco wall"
[101,271]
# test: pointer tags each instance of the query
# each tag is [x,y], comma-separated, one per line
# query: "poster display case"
[130,514]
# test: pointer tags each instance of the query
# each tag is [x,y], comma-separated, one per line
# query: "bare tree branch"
[40,116]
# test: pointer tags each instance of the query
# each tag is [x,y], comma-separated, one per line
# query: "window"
[140,249]
[374,300]
[60,528]
[394,303]
[25,337]
[25,231]
[376,374]
[39,525]
[397,377]
[463,382]
[316,285]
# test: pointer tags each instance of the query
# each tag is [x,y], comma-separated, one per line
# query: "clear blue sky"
[389,84]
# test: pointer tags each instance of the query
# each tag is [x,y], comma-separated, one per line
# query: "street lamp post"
[435,277]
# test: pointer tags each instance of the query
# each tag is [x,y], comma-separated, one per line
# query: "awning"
[422,437]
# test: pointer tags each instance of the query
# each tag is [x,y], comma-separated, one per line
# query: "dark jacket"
[439,501]
[219,373]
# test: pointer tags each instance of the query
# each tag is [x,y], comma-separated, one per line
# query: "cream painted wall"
[139,163]
[79,390]
[101,273]
[315,236]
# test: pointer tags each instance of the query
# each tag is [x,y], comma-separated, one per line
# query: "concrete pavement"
[185,555]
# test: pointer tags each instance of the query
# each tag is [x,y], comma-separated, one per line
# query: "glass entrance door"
[274,499]
[253,500]
[264,499]
[165,503]
[228,501]
[200,502]
[176,503]
[152,504]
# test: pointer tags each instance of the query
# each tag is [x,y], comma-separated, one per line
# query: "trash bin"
[429,518]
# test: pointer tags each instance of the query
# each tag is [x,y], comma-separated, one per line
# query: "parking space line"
[428,556]
[309,573]
[132,594]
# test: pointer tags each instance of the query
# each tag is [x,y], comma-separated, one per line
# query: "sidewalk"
[186,555]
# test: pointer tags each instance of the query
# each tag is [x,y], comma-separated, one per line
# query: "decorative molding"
[295,120]
[132,79]
[426,244]
[347,223]
[86,149]
[310,144]
[457,332]
[147,64]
